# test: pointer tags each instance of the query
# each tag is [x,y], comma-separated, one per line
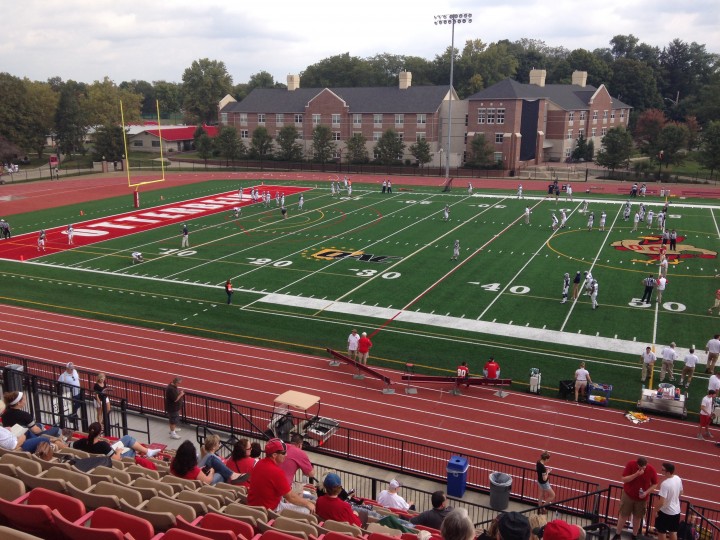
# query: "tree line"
[680,81]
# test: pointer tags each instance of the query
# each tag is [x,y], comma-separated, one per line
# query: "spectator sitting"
[222,472]
[94,444]
[457,526]
[492,369]
[269,486]
[185,465]
[389,497]
[513,526]
[330,506]
[10,441]
[557,529]
[296,459]
[15,414]
[537,522]
[256,451]
[240,460]
[434,518]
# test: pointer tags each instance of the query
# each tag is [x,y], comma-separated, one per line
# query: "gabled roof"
[182,133]
[570,97]
[422,99]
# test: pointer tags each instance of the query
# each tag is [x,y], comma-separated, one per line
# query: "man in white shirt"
[714,383]
[688,370]
[648,363]
[706,411]
[667,521]
[71,380]
[353,340]
[713,350]
[661,283]
[594,293]
[389,497]
[668,357]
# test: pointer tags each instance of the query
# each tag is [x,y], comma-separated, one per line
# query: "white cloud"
[158,39]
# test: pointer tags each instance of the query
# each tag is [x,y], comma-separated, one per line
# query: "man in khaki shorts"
[639,481]
[713,350]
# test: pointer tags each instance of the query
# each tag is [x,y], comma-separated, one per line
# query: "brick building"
[414,112]
[534,123]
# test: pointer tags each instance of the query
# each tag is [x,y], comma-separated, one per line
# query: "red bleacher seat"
[109,518]
[73,531]
[380,536]
[334,535]
[220,522]
[277,535]
[179,534]
[32,513]
[195,527]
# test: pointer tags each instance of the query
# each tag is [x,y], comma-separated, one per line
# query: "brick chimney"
[579,78]
[405,80]
[537,77]
[293,82]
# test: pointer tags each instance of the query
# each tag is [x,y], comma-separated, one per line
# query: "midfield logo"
[331,254]
[650,246]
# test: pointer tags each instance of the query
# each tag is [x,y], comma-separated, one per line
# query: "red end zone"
[25,246]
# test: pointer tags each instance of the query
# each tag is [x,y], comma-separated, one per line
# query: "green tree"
[102,104]
[357,149]
[261,143]
[617,145]
[169,98]
[589,151]
[43,103]
[390,148]
[339,70]
[421,152]
[634,83]
[108,143]
[204,147]
[289,149]
[147,93]
[322,144]
[262,79]
[481,152]
[598,71]
[672,145]
[647,130]
[205,83]
[580,150]
[709,154]
[229,144]
[199,132]
[70,121]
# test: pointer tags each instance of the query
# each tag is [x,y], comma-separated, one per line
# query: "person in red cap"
[270,488]
[557,529]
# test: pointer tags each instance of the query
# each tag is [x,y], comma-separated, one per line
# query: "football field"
[384,263]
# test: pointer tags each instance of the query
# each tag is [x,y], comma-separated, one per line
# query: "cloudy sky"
[152,40]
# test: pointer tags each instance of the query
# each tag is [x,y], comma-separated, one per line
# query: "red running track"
[592,443]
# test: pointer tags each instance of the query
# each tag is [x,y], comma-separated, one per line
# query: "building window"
[421,119]
[567,152]
[622,114]
[357,119]
[595,116]
[401,136]
[137,142]
[399,120]
[261,118]
[336,154]
[244,133]
[571,117]
[155,144]
[604,131]
[420,136]
[357,133]
[243,119]
[497,156]
[316,119]
[500,116]
[335,119]
[336,136]
[280,119]
[377,135]
[605,115]
[582,116]
[491,116]
[298,119]
[612,114]
[481,116]
[581,132]
[569,134]
[377,120]
[499,138]
[594,132]
[299,136]
[223,118]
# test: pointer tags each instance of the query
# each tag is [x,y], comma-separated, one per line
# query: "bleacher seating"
[6,533]
[160,512]
[32,512]
[107,518]
[340,527]
[11,488]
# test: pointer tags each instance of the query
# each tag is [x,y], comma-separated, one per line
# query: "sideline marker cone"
[22,258]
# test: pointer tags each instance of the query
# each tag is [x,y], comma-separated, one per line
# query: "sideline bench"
[362,368]
[456,381]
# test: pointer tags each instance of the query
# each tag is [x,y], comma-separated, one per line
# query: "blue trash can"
[457,469]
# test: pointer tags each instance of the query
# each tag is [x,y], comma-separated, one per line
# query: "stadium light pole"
[452,19]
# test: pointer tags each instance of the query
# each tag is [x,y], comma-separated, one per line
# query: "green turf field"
[382,263]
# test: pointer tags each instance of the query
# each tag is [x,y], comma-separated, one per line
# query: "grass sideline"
[508,272]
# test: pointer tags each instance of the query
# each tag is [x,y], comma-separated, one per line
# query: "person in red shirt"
[185,464]
[492,369]
[240,460]
[639,480]
[364,348]
[296,458]
[463,373]
[268,484]
[330,506]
